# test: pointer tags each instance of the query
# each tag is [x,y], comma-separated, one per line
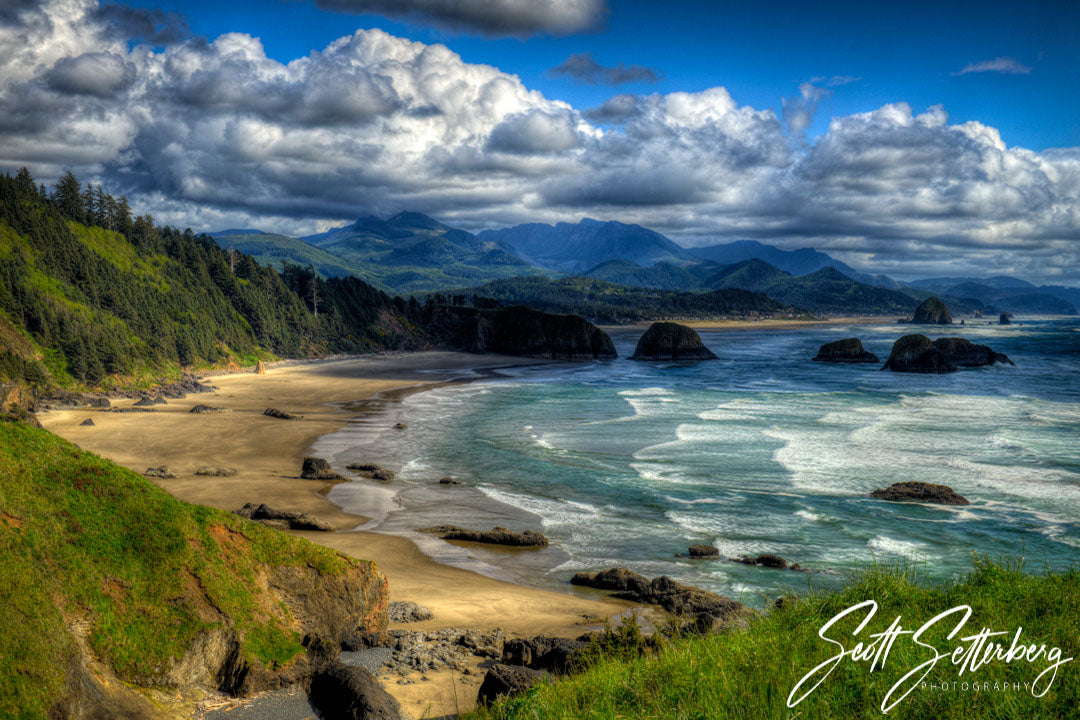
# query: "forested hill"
[91,296]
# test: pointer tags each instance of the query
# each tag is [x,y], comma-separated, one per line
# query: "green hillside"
[270,249]
[96,559]
[606,302]
[661,276]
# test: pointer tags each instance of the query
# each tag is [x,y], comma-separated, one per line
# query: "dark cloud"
[100,74]
[11,10]
[583,68]
[615,110]
[487,17]
[534,133]
[154,27]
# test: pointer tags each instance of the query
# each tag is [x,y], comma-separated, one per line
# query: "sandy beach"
[267,453]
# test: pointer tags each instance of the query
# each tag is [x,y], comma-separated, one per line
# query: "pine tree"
[68,197]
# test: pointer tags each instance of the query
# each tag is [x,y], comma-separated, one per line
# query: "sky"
[912,139]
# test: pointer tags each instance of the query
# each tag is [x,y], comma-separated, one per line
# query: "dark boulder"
[318,469]
[554,654]
[507,681]
[87,421]
[699,551]
[519,331]
[849,350]
[917,354]
[202,409]
[931,312]
[408,612]
[208,471]
[914,491]
[496,536]
[663,591]
[148,401]
[162,471]
[449,481]
[290,519]
[964,353]
[1004,319]
[400,426]
[372,471]
[764,560]
[281,414]
[671,341]
[345,692]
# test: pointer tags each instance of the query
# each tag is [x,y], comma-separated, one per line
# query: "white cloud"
[1005,65]
[211,134]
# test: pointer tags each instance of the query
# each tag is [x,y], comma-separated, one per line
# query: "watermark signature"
[970,653]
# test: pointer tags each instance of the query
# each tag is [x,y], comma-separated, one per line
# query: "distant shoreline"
[767,324]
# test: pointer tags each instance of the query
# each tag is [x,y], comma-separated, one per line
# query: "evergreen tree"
[68,197]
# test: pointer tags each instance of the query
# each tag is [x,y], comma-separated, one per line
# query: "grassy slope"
[749,673]
[81,538]
[270,249]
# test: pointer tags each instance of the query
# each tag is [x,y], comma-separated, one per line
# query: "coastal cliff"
[117,594]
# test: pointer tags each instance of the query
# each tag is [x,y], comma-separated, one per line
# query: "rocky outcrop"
[281,414]
[918,354]
[554,654]
[931,312]
[371,471]
[161,471]
[849,350]
[449,481]
[208,471]
[663,591]
[344,692]
[519,331]
[283,519]
[507,681]
[204,409]
[318,469]
[1004,319]
[89,422]
[148,401]
[914,491]
[765,560]
[496,536]
[702,551]
[408,612]
[671,341]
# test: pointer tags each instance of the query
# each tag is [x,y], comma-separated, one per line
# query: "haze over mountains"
[413,253]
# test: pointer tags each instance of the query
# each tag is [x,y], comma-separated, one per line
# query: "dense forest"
[606,302]
[91,296]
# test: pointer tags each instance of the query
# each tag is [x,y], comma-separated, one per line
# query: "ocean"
[763,451]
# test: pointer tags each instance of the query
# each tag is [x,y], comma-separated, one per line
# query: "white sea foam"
[645,392]
[891,546]
[807,515]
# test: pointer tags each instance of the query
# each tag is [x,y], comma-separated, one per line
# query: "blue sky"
[761,52]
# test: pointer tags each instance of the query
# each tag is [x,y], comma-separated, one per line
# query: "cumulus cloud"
[583,68]
[1004,65]
[488,17]
[210,134]
[797,112]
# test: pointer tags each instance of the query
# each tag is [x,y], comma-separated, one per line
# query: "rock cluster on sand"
[554,654]
[371,471]
[918,354]
[931,312]
[765,560]
[401,426]
[148,401]
[281,414]
[419,650]
[318,469]
[496,536]
[848,350]
[283,519]
[449,481]
[207,470]
[87,421]
[161,471]
[700,551]
[408,612]
[663,591]
[201,409]
[914,491]
[671,341]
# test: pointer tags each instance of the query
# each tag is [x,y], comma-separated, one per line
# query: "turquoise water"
[627,463]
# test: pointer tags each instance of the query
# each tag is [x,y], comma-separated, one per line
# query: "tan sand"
[267,452]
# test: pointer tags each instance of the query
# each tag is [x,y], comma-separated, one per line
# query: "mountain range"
[413,253]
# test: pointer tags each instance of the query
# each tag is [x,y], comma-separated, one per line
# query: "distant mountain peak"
[236,231]
[415,220]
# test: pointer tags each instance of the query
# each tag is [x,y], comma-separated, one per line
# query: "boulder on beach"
[918,354]
[346,692]
[848,350]
[496,536]
[318,469]
[672,342]
[203,409]
[699,551]
[161,471]
[260,369]
[554,654]
[663,591]
[408,612]
[401,426]
[87,421]
[209,471]
[449,481]
[290,519]
[148,401]
[371,471]
[281,414]
[914,491]
[507,681]
[931,312]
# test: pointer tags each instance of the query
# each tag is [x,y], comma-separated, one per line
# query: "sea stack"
[1004,319]
[920,492]
[671,341]
[848,350]
[931,312]
[918,354]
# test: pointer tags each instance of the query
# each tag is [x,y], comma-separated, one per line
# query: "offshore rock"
[496,536]
[920,492]
[849,350]
[931,312]
[671,341]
